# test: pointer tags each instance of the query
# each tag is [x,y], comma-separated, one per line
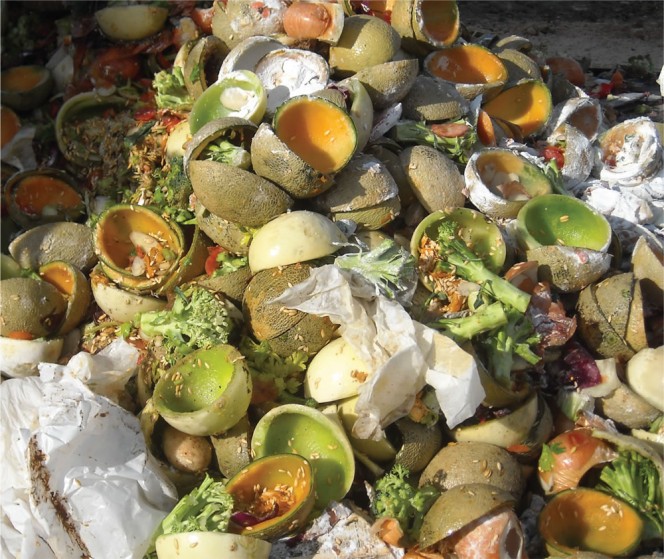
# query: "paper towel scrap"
[77,479]
[403,354]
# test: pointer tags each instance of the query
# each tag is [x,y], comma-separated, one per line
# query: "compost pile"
[325,279]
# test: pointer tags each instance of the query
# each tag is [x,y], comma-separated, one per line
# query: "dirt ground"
[604,34]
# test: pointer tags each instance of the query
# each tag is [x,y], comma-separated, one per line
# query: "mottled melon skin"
[232,285]
[274,160]
[284,330]
[420,444]
[363,183]
[64,240]
[433,99]
[237,195]
[267,320]
[596,331]
[365,41]
[231,236]
[388,83]
[458,507]
[434,178]
[519,66]
[373,217]
[627,408]
[309,335]
[569,269]
[468,462]
[30,306]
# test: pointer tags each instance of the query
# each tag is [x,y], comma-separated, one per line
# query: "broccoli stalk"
[555,176]
[486,317]
[636,480]
[458,259]
[207,508]
[395,497]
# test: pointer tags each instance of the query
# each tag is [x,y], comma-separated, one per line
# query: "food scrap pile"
[381,286]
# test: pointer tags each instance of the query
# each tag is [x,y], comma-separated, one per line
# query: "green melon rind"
[614,296]
[596,331]
[569,269]
[388,83]
[365,41]
[330,453]
[458,507]
[231,236]
[468,462]
[232,285]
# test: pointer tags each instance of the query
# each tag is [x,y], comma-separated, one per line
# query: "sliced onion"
[572,454]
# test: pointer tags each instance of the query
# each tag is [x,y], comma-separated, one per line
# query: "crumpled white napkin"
[76,479]
[403,354]
[18,152]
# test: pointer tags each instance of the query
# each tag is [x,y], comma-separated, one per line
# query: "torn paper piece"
[396,348]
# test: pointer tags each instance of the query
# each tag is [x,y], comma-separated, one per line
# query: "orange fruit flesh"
[36,192]
[319,133]
[525,105]
[583,518]
[496,537]
[467,64]
[441,19]
[59,277]
[20,78]
[10,125]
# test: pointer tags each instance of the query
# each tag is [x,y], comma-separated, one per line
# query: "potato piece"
[644,375]
[187,453]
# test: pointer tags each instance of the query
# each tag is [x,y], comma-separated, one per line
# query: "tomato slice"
[555,153]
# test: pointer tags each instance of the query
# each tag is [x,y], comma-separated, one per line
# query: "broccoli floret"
[171,91]
[227,263]
[395,497]
[198,319]
[388,266]
[458,147]
[485,318]
[173,190]
[636,480]
[207,508]
[273,377]
[516,336]
[458,259]
[223,151]
[167,188]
